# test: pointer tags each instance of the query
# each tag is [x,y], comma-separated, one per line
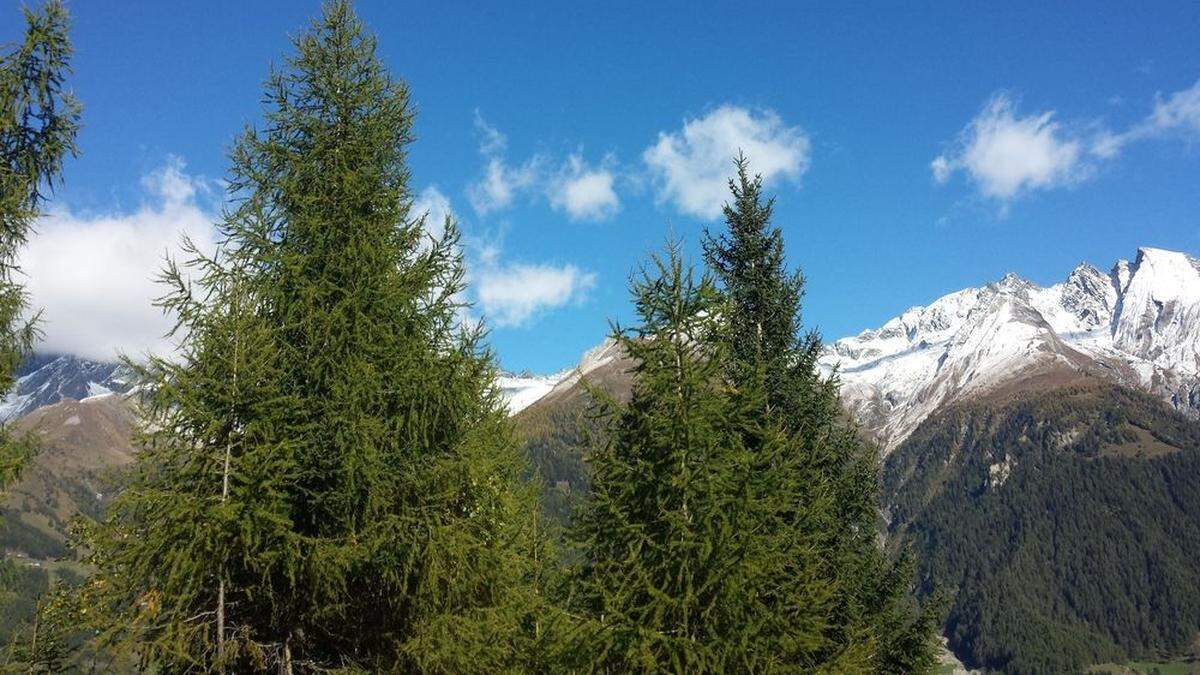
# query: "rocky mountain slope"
[1137,325]
[83,445]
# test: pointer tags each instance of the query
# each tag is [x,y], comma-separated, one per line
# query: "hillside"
[1063,523]
[83,445]
[554,428]
[1041,453]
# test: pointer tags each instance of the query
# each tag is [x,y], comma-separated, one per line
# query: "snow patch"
[520,392]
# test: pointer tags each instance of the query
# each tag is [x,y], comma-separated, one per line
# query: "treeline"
[327,479]
[1065,526]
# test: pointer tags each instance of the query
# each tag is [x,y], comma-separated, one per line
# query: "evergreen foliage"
[674,572]
[328,479]
[45,644]
[870,608]
[39,119]
[1064,524]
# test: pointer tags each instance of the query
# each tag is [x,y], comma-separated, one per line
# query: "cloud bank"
[93,274]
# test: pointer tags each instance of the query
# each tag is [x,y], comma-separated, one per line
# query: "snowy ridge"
[1138,324]
[47,379]
[522,391]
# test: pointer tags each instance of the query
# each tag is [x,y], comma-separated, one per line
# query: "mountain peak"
[49,378]
[1012,281]
[1139,324]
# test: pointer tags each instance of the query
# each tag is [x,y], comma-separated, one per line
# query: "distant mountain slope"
[1063,522]
[46,379]
[82,445]
[554,428]
[1138,325]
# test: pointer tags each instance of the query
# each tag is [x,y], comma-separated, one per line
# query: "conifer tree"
[44,644]
[763,334]
[679,570]
[328,479]
[39,119]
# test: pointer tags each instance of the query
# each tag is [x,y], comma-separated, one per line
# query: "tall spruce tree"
[39,119]
[328,479]
[768,350]
[681,568]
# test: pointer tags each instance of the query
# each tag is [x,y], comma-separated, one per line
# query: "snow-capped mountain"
[1139,324]
[47,379]
[522,391]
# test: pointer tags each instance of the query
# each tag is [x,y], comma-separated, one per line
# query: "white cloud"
[691,166]
[585,193]
[1176,114]
[511,295]
[1106,145]
[582,191]
[1006,155]
[500,185]
[93,275]
[501,182]
[491,141]
[435,206]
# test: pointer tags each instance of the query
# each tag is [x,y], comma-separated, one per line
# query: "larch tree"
[39,119]
[678,568]
[872,613]
[328,478]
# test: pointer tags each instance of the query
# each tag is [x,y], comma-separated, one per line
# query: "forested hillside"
[1064,526]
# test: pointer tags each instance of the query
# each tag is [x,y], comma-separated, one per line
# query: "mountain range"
[1137,325]
[45,379]
[1040,453]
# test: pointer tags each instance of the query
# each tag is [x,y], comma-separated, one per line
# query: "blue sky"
[914,148]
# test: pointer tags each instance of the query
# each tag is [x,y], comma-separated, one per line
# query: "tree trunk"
[285,663]
[225,496]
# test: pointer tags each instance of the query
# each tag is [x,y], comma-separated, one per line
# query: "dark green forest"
[1087,551]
